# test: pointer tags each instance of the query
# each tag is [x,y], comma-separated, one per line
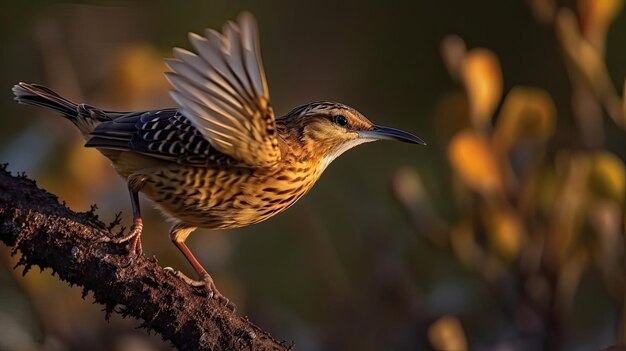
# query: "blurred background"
[505,233]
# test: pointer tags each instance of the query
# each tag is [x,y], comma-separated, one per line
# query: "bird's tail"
[85,117]
[37,95]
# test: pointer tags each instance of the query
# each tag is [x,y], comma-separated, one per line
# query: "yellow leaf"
[527,113]
[608,176]
[447,334]
[505,232]
[474,163]
[482,78]
[595,17]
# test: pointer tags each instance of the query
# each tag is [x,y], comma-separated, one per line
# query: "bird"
[220,159]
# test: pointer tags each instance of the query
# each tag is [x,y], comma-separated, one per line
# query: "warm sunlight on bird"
[221,159]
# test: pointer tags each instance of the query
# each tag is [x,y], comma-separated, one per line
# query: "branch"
[50,235]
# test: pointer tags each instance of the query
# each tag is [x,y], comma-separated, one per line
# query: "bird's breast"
[222,198]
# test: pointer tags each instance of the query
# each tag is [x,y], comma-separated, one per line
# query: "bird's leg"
[134,236]
[179,234]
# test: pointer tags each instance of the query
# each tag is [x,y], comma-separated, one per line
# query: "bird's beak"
[380,133]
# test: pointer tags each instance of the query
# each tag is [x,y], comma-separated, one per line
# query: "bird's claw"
[207,283]
[180,275]
[135,230]
[133,238]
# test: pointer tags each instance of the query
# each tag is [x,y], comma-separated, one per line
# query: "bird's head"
[328,129]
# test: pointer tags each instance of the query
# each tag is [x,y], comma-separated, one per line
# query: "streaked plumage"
[221,159]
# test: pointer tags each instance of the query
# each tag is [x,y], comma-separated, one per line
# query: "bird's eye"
[340,120]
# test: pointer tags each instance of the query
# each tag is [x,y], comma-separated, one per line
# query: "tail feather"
[85,117]
[37,95]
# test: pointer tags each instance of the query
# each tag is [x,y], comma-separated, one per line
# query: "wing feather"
[234,58]
[222,90]
[219,90]
[216,129]
[254,66]
[226,108]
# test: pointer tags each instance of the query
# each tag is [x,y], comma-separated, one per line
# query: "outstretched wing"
[223,92]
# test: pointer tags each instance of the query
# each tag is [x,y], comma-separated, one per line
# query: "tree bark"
[49,235]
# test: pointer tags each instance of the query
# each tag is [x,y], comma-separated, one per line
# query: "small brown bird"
[220,160]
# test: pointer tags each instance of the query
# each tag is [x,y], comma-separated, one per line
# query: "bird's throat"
[337,151]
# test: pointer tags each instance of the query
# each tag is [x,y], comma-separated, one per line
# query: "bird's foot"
[205,282]
[133,238]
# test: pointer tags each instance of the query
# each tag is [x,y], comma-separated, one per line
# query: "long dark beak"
[380,133]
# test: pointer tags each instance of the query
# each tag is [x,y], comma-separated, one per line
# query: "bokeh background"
[505,233]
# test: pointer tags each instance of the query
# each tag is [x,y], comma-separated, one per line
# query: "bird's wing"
[222,90]
[163,134]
